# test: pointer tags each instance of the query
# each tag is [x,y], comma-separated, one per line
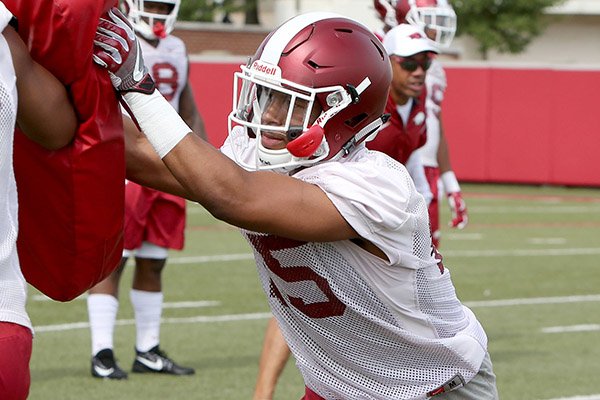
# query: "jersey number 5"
[265,245]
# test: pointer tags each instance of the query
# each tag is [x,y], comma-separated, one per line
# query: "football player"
[35,100]
[438,19]
[340,235]
[411,54]
[154,220]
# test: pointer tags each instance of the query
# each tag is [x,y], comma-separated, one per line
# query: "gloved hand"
[458,209]
[458,206]
[117,48]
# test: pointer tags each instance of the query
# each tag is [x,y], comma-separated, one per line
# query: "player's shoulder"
[173,42]
[363,170]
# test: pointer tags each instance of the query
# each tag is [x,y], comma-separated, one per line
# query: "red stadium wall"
[509,125]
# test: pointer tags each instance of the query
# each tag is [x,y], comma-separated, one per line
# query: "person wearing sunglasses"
[410,53]
[438,20]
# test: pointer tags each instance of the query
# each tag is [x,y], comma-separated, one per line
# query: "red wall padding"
[511,125]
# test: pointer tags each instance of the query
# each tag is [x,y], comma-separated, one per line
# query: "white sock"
[147,307]
[102,312]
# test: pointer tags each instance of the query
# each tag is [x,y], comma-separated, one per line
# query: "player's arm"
[45,113]
[273,358]
[144,166]
[457,204]
[189,111]
[259,201]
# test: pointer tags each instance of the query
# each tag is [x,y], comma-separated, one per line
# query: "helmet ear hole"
[357,119]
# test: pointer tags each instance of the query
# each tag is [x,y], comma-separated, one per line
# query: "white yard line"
[572,328]
[254,316]
[589,397]
[450,253]
[532,301]
[187,320]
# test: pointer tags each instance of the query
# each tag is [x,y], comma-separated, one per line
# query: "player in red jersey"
[340,235]
[38,103]
[154,220]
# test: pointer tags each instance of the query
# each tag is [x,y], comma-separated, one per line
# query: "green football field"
[527,265]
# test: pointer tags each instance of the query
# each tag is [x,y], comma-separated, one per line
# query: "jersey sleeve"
[374,197]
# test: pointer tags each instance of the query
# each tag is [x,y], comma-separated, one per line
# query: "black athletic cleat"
[105,366]
[155,360]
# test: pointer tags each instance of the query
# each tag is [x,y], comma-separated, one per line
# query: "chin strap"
[367,133]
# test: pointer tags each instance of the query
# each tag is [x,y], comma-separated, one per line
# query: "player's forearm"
[443,155]
[44,113]
[144,166]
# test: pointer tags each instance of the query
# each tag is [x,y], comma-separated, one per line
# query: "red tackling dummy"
[71,201]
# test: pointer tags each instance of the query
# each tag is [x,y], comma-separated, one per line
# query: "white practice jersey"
[168,65]
[13,289]
[436,87]
[358,326]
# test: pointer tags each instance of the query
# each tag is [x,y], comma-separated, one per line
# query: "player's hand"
[458,208]
[117,48]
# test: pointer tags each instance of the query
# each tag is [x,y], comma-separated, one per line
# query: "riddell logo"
[265,68]
[416,35]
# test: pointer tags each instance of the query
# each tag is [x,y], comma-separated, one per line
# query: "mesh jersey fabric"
[361,327]
[13,289]
[168,65]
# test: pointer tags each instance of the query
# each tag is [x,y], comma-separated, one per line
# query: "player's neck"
[151,42]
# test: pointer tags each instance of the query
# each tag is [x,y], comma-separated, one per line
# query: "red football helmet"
[436,17]
[319,62]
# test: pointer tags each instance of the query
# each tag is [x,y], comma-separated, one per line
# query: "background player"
[35,100]
[154,221]
[438,19]
[329,239]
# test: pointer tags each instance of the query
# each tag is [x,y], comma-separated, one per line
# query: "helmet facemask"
[151,25]
[438,22]
[301,118]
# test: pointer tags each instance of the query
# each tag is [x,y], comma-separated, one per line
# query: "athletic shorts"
[153,216]
[433,178]
[15,353]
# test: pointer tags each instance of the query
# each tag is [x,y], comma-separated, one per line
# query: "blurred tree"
[208,10]
[507,26]
[197,10]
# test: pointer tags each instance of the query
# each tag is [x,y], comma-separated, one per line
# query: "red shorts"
[310,395]
[15,353]
[153,216]
[433,176]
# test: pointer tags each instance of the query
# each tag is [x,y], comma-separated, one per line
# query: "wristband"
[450,183]
[157,119]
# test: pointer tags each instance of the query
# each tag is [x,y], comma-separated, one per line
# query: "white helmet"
[148,24]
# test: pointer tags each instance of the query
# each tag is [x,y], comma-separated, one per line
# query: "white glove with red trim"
[458,207]
[117,48]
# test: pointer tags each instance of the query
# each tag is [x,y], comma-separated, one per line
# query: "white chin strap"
[273,157]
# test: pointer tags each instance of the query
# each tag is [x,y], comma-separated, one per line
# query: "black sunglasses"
[410,64]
